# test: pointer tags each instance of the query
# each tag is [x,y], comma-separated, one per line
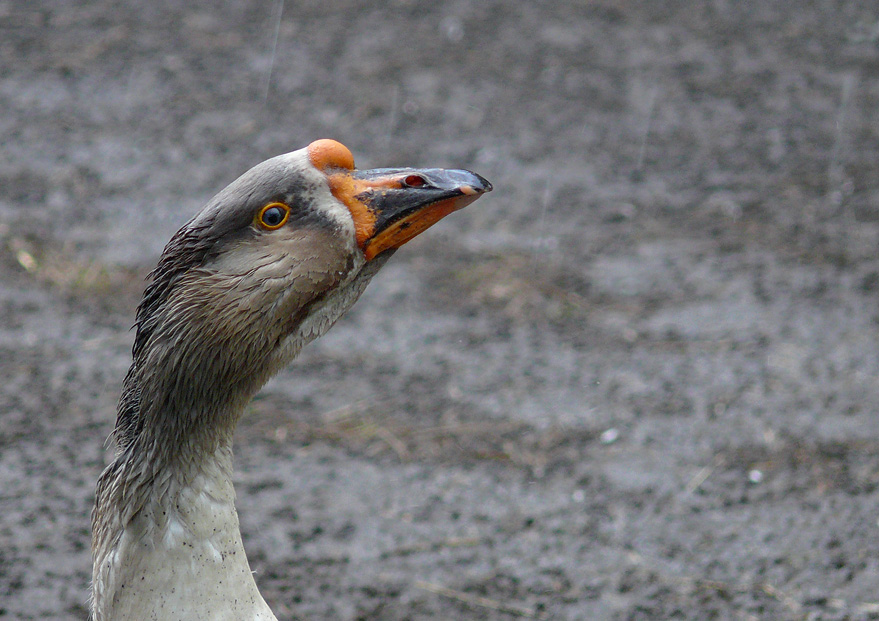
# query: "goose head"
[269,264]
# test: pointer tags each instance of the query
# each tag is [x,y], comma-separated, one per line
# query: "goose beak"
[390,206]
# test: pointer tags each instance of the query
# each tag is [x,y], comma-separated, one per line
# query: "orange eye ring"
[273,216]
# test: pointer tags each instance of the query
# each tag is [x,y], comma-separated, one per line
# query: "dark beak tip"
[484,184]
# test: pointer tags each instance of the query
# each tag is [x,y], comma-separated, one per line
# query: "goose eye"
[273,216]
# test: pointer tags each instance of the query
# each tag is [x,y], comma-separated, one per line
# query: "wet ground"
[637,381]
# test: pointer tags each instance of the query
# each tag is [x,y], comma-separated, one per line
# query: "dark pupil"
[273,216]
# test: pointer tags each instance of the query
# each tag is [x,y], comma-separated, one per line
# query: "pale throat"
[176,486]
[178,540]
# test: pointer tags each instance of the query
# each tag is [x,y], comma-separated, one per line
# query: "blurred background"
[636,381]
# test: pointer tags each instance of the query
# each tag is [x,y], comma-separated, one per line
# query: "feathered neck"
[165,527]
[166,534]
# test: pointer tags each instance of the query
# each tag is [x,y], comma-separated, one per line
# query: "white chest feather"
[181,557]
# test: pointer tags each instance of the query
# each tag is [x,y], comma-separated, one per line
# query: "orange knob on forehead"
[326,154]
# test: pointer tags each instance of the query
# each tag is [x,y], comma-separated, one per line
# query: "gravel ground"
[637,381]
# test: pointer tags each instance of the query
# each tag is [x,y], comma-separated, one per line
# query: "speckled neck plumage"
[167,499]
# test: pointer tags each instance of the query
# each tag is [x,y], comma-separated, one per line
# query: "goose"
[268,265]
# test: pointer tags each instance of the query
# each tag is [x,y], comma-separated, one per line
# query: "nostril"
[414,181]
